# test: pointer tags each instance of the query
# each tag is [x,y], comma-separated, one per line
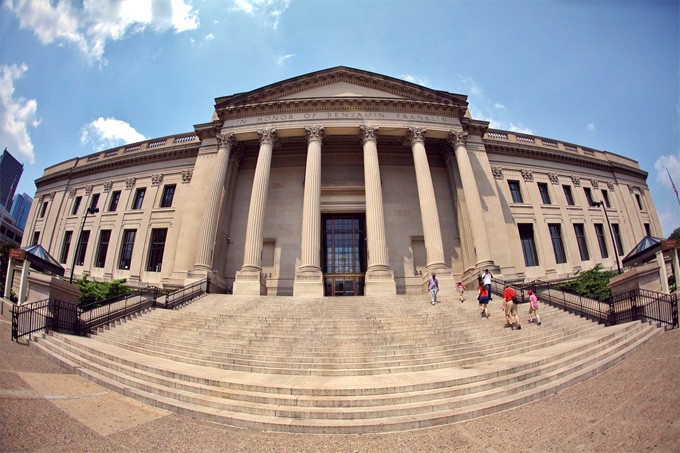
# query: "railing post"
[15,323]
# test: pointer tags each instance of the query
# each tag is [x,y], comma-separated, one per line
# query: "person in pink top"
[533,308]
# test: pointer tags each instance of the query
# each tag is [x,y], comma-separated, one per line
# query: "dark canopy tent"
[644,251]
[42,261]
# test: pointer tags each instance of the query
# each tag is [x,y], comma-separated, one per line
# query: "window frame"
[568,195]
[138,200]
[168,192]
[76,205]
[154,261]
[65,246]
[81,247]
[515,191]
[127,247]
[102,248]
[544,192]
[617,238]
[581,241]
[601,240]
[528,244]
[555,230]
[115,199]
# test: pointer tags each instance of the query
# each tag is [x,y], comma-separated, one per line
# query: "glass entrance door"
[344,254]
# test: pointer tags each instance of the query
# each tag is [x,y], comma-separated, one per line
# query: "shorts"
[483,300]
[510,308]
[533,310]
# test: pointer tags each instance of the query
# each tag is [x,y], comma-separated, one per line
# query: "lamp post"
[89,210]
[611,232]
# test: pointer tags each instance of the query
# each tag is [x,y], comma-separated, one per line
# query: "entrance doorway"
[344,254]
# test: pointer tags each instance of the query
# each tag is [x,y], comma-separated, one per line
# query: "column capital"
[225,140]
[458,138]
[314,133]
[267,136]
[417,134]
[368,133]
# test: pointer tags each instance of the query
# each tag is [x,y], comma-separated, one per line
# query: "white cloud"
[17,115]
[283,59]
[90,25]
[206,39]
[267,11]
[590,126]
[417,80]
[104,133]
[499,106]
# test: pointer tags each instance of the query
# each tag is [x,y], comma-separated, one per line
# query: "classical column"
[249,280]
[206,238]
[379,276]
[309,276]
[428,203]
[473,201]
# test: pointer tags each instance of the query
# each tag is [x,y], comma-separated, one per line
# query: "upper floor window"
[568,195]
[168,195]
[43,210]
[526,237]
[589,195]
[115,198]
[605,198]
[648,229]
[601,241]
[558,245]
[639,201]
[94,201]
[543,190]
[139,198]
[581,241]
[36,237]
[515,191]
[76,205]
[65,246]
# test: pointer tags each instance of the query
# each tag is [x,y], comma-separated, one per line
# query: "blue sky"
[80,76]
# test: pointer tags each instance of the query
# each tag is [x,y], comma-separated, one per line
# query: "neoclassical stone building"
[340,182]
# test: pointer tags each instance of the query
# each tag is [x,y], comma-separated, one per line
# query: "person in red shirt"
[483,300]
[510,308]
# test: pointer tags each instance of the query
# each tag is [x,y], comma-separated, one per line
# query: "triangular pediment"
[341,89]
[341,82]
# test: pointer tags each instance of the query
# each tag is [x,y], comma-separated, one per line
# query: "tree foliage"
[92,291]
[591,283]
[675,235]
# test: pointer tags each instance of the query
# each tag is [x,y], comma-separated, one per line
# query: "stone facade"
[341,182]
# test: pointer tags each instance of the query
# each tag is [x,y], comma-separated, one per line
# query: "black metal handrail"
[636,305]
[185,294]
[63,317]
[43,315]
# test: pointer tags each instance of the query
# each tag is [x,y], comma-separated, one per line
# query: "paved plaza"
[634,406]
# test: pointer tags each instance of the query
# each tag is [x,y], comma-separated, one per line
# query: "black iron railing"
[185,294]
[636,305]
[59,316]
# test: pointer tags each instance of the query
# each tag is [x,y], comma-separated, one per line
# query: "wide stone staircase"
[344,364]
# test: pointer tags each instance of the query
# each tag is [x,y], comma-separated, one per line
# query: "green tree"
[591,283]
[675,235]
[92,291]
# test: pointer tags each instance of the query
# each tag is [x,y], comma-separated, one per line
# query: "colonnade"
[309,276]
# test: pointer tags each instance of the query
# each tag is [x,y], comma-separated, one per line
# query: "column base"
[250,283]
[308,284]
[380,283]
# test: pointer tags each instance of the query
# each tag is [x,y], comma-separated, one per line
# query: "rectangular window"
[65,247]
[94,201]
[82,247]
[526,236]
[43,209]
[639,201]
[156,249]
[139,198]
[168,195]
[558,245]
[545,195]
[515,192]
[115,198]
[568,195]
[581,241]
[76,205]
[589,195]
[605,198]
[126,249]
[102,248]
[601,240]
[648,229]
[617,238]
[36,237]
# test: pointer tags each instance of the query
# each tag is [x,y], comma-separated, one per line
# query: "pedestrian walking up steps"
[342,365]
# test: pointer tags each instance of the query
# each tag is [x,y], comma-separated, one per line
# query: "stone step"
[528,376]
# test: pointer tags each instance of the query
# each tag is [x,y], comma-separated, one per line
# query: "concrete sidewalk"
[633,406]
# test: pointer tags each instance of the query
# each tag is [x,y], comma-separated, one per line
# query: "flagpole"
[673,184]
